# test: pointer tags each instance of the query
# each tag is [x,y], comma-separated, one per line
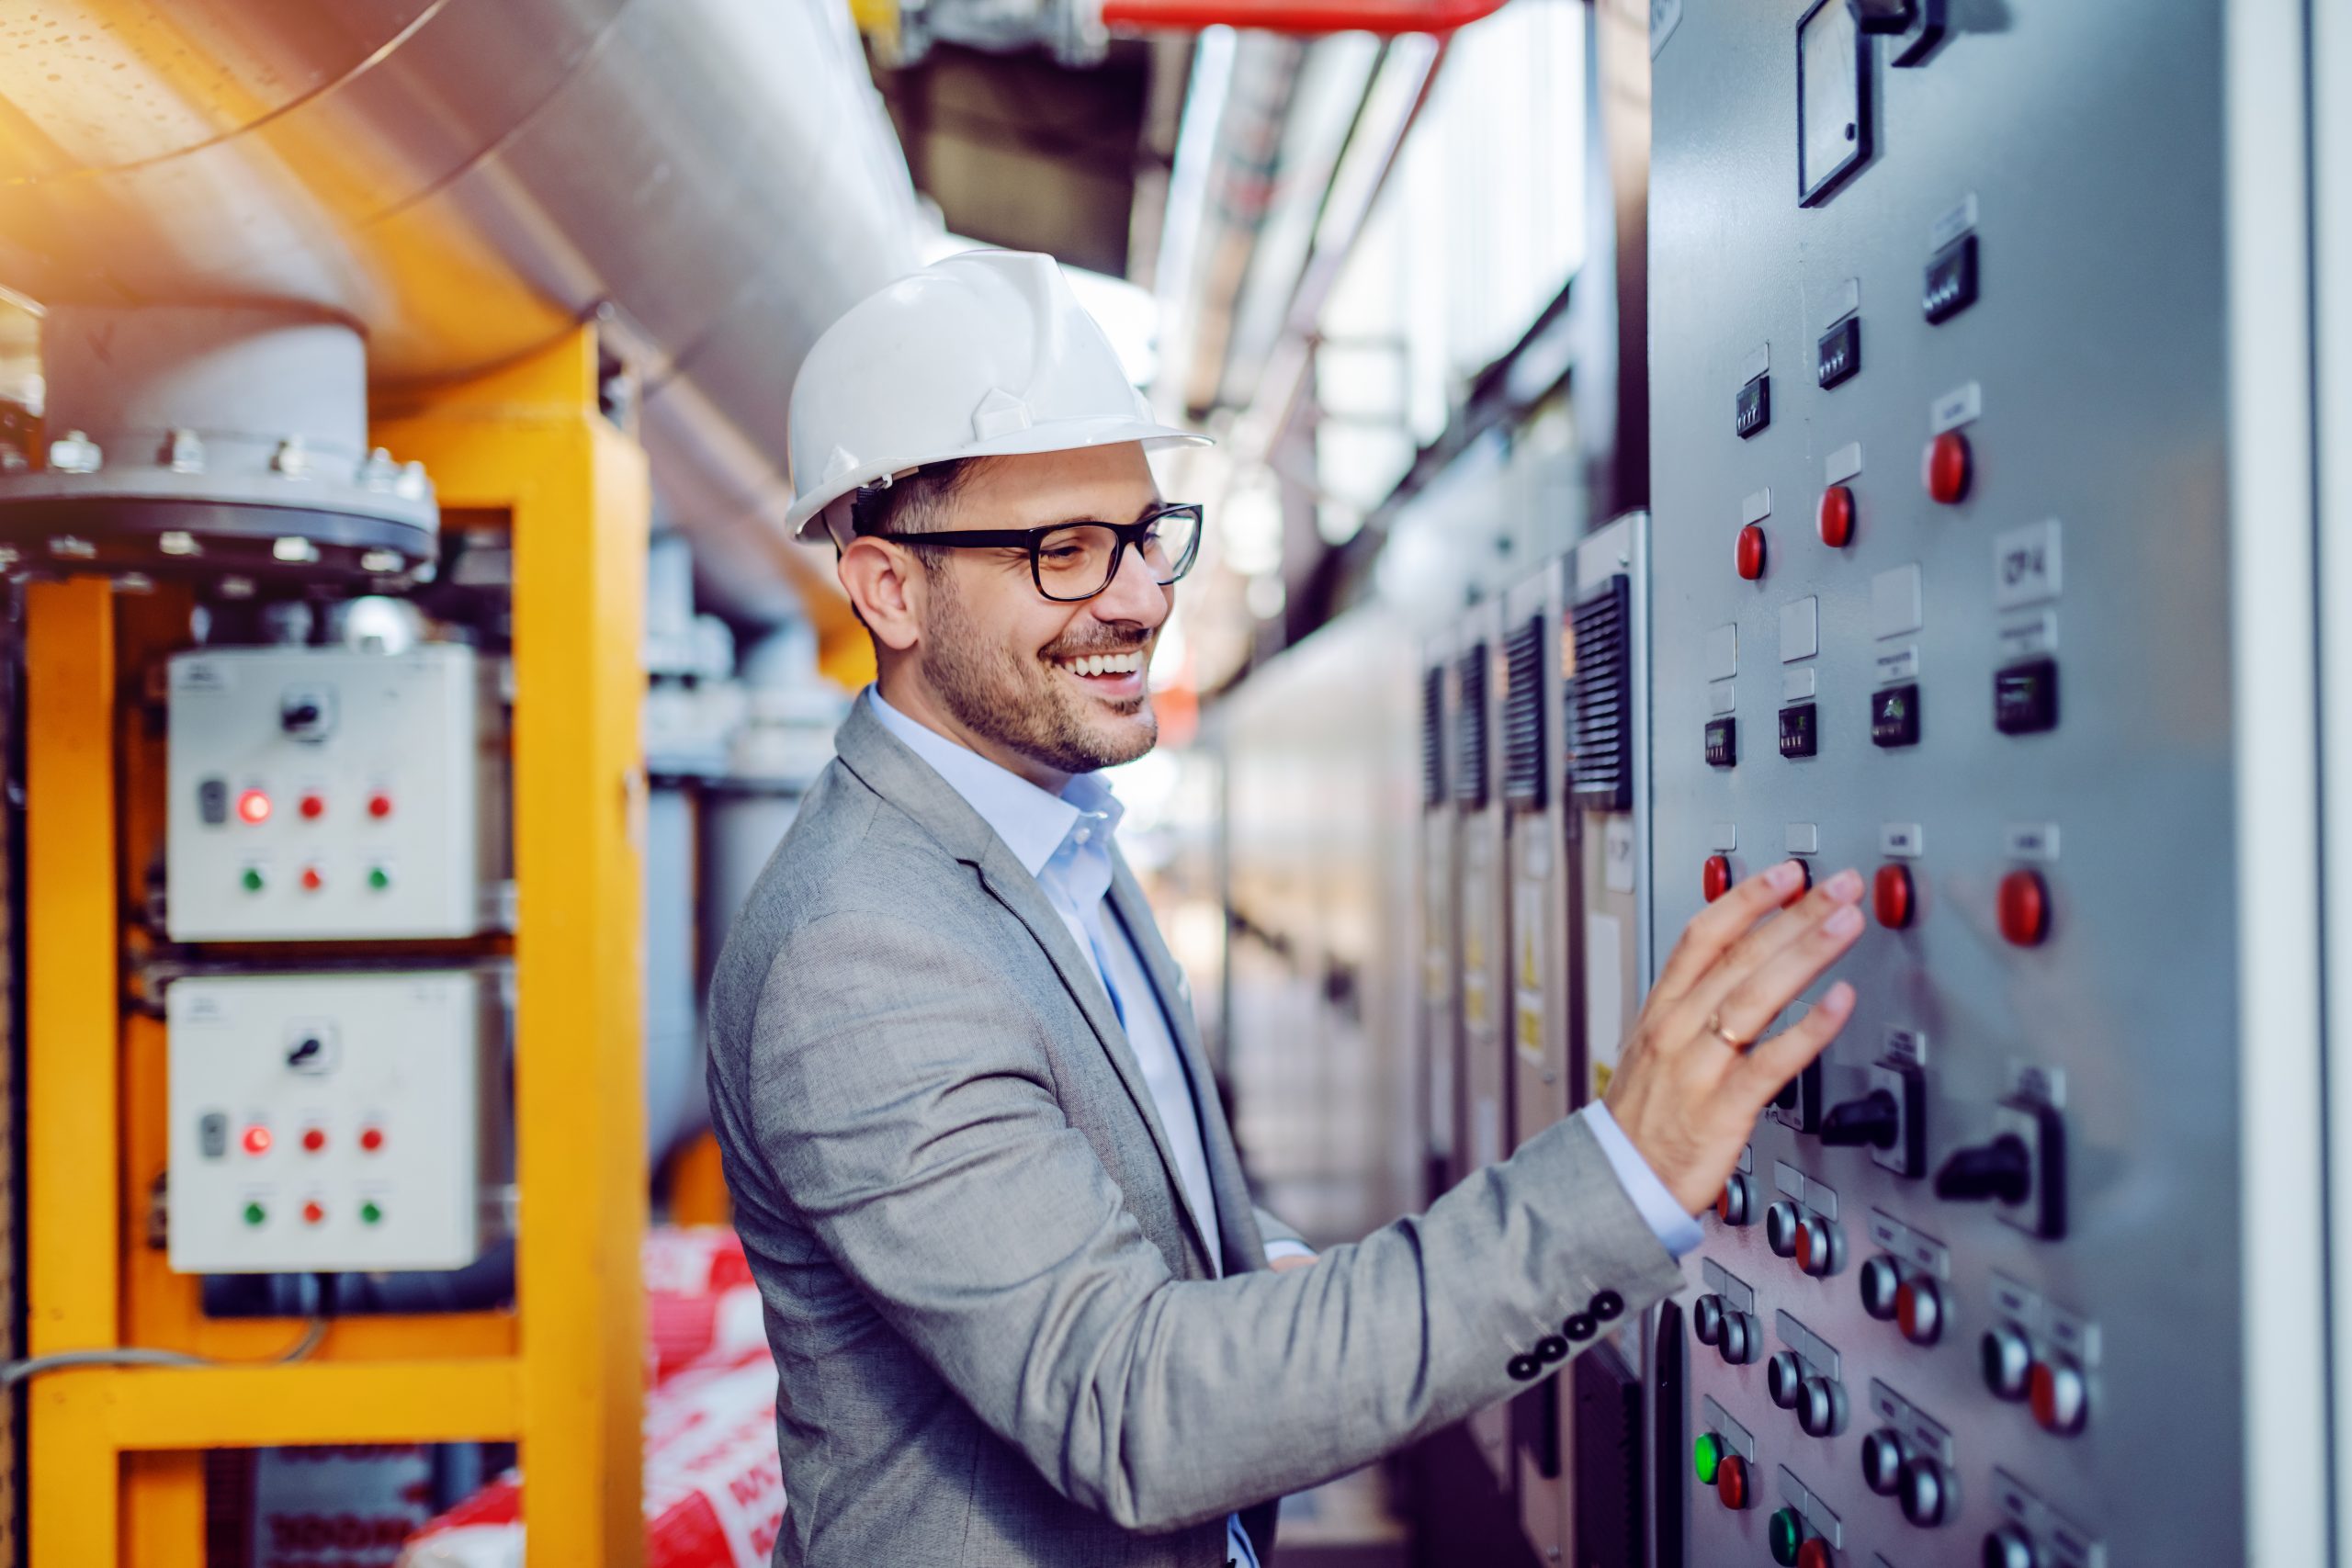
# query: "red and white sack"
[695,1277]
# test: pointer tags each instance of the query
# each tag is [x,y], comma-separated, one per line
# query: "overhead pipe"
[1388,19]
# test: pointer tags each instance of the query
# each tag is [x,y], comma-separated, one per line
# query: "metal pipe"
[1386,18]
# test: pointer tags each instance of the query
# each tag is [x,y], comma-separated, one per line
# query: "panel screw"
[74,453]
[292,460]
[183,452]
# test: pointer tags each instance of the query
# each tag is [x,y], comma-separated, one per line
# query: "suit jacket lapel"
[1236,1215]
[896,774]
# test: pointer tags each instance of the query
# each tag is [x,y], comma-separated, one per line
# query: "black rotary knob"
[1874,1121]
[1821,1248]
[2001,1170]
[1707,1319]
[1780,1229]
[1741,1340]
[1821,1407]
[1883,1460]
[1879,1280]
[2009,1548]
[1736,1205]
[1784,1379]
[1925,1492]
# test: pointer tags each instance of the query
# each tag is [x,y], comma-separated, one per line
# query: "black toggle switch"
[2001,1170]
[1875,1121]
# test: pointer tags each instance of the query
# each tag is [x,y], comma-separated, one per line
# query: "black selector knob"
[2001,1170]
[1736,1205]
[1780,1229]
[1874,1121]
[1882,1458]
[1821,1407]
[1707,1319]
[1742,1341]
[306,1053]
[1879,1280]
[2009,1548]
[1784,1379]
[1925,1492]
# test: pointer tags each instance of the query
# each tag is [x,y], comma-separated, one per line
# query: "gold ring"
[1716,1026]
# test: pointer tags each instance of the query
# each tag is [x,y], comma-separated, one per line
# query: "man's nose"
[1134,595]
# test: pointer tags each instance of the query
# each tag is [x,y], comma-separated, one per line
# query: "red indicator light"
[313,1212]
[1714,878]
[1731,1482]
[379,804]
[1891,896]
[1946,468]
[313,806]
[314,1140]
[311,879]
[2025,908]
[1835,518]
[372,1139]
[253,807]
[256,1140]
[1750,553]
[1814,1553]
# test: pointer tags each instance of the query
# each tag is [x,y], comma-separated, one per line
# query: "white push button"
[1895,602]
[1799,629]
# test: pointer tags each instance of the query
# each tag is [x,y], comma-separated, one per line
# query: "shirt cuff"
[1291,1249]
[1676,1231]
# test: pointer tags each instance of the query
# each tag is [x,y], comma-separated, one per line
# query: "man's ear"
[884,586]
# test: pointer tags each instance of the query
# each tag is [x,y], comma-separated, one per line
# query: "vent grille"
[1523,726]
[1433,736]
[1601,701]
[1470,781]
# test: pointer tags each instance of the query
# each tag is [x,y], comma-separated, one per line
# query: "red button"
[313,1212]
[312,880]
[379,804]
[314,1140]
[1804,1248]
[1891,896]
[372,1139]
[1731,1482]
[1946,466]
[314,807]
[2025,908]
[1835,518]
[1918,1312]
[1716,879]
[254,807]
[1814,1553]
[1750,553]
[256,1140]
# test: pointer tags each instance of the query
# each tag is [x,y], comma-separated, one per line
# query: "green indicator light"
[255,1214]
[369,1214]
[1786,1533]
[1707,1457]
[379,879]
[252,879]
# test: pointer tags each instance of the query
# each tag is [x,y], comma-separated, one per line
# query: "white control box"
[321,794]
[330,1122]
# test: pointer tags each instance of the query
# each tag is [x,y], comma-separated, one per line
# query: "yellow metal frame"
[114,1453]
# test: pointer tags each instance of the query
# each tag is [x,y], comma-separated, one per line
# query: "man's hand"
[1290,1260]
[1686,1095]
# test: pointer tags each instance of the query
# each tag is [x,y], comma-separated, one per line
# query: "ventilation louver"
[1470,782]
[1523,726]
[1433,736]
[1601,701]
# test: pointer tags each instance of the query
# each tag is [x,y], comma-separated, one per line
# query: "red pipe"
[1387,18]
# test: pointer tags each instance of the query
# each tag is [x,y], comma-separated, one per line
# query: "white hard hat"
[984,354]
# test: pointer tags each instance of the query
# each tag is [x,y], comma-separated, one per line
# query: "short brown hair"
[911,504]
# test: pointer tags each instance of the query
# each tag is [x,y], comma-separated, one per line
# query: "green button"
[1706,1456]
[252,879]
[370,1214]
[255,1214]
[1786,1533]
[379,879]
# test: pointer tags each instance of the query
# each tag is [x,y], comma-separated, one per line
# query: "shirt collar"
[1032,822]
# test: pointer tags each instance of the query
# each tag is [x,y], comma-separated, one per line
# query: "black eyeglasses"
[1071,561]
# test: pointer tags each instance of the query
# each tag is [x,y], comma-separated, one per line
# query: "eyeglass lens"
[1078,562]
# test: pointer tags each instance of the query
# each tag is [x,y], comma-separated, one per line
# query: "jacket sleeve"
[901,1098]
[1271,1230]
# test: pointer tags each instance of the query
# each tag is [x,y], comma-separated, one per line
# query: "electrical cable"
[15,1373]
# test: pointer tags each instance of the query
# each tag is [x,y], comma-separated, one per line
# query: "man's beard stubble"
[1016,702]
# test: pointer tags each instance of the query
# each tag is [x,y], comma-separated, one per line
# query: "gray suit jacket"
[1001,1335]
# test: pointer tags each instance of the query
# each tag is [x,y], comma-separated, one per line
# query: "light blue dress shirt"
[1064,842]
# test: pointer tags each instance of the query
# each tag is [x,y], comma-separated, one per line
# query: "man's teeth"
[1104,664]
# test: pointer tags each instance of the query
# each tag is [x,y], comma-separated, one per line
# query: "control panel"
[328,1121]
[1941,594]
[320,793]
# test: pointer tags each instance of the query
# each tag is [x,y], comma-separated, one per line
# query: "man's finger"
[1713,931]
[1761,1073]
[1747,1003]
[1710,992]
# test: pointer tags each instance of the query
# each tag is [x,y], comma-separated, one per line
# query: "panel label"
[1902,664]
[1723,837]
[1723,652]
[2026,566]
[1756,506]
[2033,840]
[1723,697]
[1961,219]
[1799,629]
[1843,464]
[1961,405]
[1665,16]
[1906,840]
[1617,854]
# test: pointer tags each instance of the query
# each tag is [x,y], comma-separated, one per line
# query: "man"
[1017,1293]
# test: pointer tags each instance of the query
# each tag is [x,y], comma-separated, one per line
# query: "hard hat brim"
[808,521]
